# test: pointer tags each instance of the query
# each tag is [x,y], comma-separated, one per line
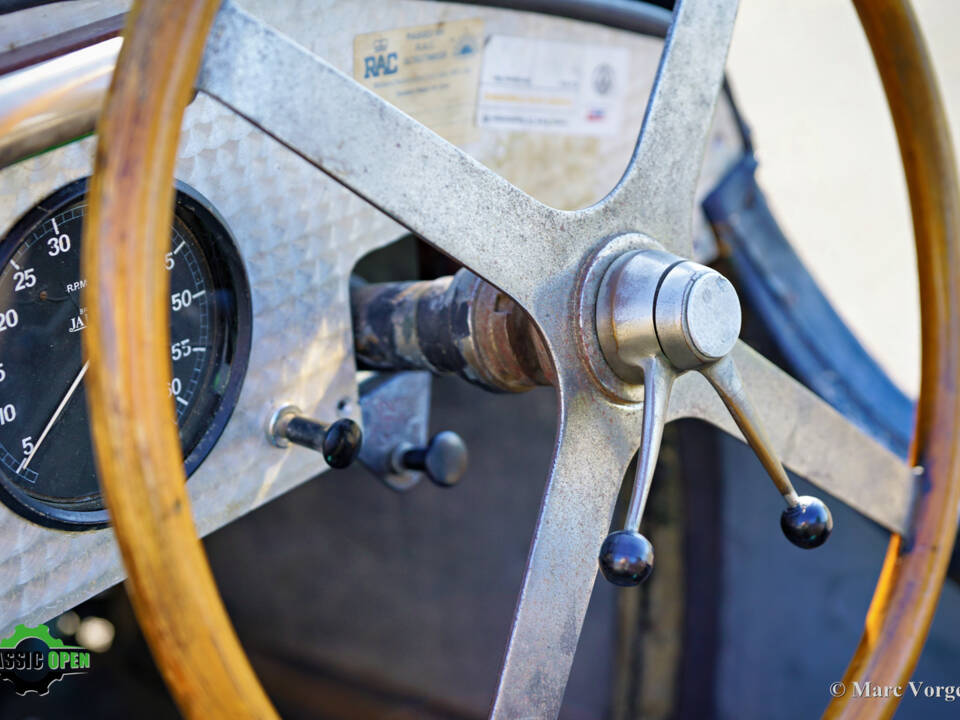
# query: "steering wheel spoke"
[595,443]
[810,438]
[656,194]
[382,154]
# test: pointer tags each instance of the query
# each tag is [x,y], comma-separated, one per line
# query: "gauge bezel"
[226,264]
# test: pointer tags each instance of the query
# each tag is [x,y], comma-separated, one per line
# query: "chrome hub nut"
[652,302]
[697,315]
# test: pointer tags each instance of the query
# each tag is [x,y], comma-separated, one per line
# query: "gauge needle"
[56,414]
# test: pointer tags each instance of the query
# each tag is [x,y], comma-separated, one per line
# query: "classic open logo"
[32,659]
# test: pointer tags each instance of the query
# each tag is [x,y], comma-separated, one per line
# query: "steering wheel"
[623,315]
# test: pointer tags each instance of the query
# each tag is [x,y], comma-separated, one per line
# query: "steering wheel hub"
[697,315]
[651,301]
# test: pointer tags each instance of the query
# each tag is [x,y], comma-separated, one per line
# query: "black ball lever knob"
[443,460]
[626,558]
[807,524]
[339,442]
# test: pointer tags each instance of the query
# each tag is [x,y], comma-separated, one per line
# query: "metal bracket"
[396,410]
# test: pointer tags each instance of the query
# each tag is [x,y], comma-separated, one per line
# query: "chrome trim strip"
[55,101]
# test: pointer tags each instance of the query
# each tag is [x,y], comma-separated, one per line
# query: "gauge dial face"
[46,458]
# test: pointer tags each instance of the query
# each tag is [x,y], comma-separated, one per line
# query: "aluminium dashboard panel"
[300,234]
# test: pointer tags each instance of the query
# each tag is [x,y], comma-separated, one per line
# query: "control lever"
[443,460]
[806,521]
[660,316]
[626,556]
[339,442]
[396,448]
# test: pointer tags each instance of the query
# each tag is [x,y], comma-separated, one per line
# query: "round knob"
[626,558]
[807,524]
[341,443]
[443,460]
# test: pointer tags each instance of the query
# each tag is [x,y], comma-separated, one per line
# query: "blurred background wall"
[805,80]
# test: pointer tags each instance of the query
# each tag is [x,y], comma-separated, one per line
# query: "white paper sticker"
[551,86]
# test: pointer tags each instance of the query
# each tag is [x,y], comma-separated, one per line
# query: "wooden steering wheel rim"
[127,233]
[913,572]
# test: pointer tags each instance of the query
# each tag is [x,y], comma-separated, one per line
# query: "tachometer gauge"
[47,468]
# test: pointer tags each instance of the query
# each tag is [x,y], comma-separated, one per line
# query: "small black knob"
[626,558]
[807,524]
[339,442]
[443,460]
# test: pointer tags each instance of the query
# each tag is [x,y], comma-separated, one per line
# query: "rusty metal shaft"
[457,324]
